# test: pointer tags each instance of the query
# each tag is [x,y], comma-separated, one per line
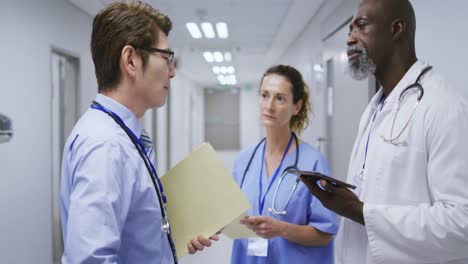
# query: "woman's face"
[276,102]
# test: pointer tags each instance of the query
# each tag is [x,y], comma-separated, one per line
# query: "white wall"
[29,29]
[161,140]
[186,103]
[251,128]
[441,38]
[197,116]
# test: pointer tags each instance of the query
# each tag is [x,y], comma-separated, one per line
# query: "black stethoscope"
[416,85]
[273,209]
[165,226]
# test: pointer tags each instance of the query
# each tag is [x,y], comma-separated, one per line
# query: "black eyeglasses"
[169,59]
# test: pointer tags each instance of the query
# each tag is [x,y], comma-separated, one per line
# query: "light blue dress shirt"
[108,205]
[303,209]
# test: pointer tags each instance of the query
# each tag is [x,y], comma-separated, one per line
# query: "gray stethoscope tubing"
[285,171]
[417,85]
[282,211]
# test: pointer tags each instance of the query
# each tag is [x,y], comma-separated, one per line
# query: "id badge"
[257,247]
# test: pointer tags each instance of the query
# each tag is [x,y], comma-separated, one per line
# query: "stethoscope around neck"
[273,209]
[394,138]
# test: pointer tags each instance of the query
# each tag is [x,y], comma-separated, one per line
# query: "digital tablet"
[314,176]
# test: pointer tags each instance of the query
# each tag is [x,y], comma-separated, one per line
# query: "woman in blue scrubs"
[304,233]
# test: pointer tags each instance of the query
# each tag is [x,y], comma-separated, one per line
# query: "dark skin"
[337,199]
[386,29]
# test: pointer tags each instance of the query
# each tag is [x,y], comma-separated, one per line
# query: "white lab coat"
[415,194]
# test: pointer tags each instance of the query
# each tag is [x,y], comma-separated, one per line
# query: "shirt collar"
[127,116]
[375,101]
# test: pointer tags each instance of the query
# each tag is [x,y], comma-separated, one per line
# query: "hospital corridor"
[224,78]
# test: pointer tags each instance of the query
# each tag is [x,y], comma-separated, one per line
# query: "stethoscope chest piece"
[273,209]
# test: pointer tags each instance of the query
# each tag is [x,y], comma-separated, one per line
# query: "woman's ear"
[298,107]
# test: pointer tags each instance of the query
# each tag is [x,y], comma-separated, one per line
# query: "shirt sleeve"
[99,203]
[320,217]
[436,232]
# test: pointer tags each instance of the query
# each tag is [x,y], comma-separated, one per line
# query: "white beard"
[361,67]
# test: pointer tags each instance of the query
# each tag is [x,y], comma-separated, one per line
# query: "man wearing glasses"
[111,200]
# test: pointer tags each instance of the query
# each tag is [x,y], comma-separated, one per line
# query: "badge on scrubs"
[257,247]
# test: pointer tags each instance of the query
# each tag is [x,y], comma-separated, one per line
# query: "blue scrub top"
[303,209]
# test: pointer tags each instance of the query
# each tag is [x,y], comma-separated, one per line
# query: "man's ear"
[129,61]
[398,28]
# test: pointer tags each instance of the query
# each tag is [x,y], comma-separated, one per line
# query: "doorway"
[65,76]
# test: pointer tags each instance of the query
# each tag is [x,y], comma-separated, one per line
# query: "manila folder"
[202,197]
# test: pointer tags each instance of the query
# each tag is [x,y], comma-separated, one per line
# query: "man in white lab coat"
[411,169]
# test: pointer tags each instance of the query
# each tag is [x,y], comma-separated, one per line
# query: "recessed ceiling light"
[216,70]
[223,69]
[222,30]
[218,56]
[227,56]
[318,68]
[230,79]
[231,70]
[208,56]
[194,30]
[221,79]
[208,30]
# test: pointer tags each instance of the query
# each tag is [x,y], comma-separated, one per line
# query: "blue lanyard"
[261,200]
[370,130]
[152,171]
[136,139]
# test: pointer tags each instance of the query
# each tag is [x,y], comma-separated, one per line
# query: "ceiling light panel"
[194,30]
[227,79]
[208,56]
[223,70]
[208,30]
[221,79]
[227,56]
[218,56]
[222,30]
